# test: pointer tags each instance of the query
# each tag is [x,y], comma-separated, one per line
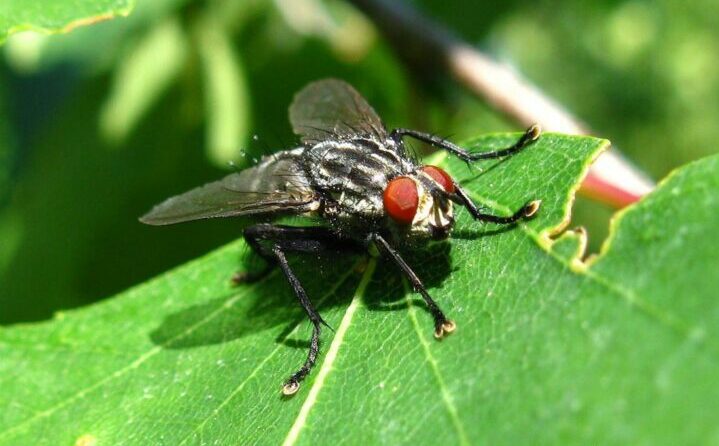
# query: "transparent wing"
[331,108]
[276,185]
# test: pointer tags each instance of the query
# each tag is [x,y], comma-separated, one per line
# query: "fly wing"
[277,185]
[332,109]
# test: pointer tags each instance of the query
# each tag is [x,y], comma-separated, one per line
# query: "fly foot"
[444,328]
[291,387]
[531,208]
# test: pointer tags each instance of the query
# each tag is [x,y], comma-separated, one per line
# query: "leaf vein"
[133,365]
[330,357]
[446,396]
[254,372]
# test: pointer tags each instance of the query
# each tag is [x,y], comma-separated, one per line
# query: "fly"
[358,178]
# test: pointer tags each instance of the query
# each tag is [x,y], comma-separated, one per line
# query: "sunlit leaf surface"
[547,348]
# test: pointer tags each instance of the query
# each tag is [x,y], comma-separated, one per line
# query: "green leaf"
[620,351]
[53,16]
[142,77]
[226,92]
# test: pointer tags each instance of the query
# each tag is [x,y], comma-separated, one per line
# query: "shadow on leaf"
[255,307]
[270,302]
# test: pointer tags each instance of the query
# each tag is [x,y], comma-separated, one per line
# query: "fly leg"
[530,135]
[442,325]
[525,212]
[253,235]
[292,385]
[461,197]
[271,242]
[301,239]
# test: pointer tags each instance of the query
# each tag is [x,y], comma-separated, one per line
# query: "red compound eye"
[401,200]
[441,177]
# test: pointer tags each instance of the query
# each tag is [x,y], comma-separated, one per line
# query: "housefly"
[358,178]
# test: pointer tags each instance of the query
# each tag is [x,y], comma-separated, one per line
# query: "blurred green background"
[99,124]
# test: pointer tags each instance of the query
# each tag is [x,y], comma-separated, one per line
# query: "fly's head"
[420,204]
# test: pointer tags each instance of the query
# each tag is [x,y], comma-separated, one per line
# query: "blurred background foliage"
[99,124]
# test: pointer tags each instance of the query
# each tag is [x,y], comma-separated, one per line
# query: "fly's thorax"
[353,174]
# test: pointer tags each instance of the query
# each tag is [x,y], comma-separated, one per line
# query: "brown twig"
[420,42]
